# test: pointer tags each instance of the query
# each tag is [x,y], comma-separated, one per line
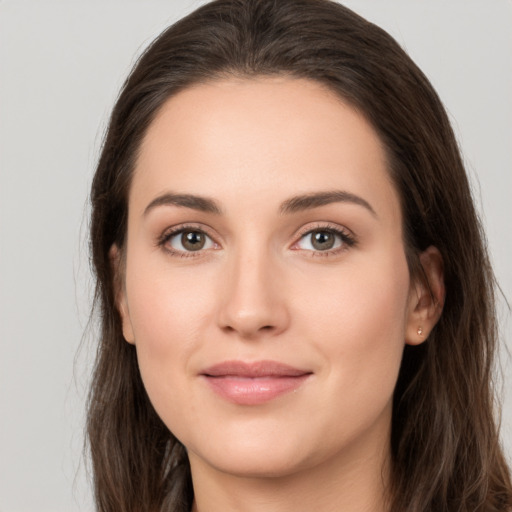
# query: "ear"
[116,261]
[426,297]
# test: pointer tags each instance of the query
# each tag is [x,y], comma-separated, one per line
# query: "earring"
[420,331]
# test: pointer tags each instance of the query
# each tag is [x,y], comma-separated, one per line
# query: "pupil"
[193,240]
[322,240]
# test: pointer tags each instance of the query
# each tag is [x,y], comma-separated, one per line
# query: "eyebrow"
[202,204]
[292,205]
[317,199]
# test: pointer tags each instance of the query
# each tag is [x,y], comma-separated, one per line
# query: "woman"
[297,305]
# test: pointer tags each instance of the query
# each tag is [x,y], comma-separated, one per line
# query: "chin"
[246,464]
[259,455]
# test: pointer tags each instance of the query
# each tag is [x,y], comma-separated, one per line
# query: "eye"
[324,239]
[188,240]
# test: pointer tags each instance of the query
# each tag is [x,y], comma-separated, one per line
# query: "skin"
[259,290]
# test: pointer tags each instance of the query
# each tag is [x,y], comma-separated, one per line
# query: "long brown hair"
[445,445]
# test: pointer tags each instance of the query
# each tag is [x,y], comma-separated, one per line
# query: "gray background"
[61,65]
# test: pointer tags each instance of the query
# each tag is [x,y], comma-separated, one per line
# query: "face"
[265,283]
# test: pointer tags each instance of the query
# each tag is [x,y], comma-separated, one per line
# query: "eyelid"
[327,226]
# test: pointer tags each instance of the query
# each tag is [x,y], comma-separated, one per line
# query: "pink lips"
[253,383]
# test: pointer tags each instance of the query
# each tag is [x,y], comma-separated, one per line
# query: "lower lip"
[254,391]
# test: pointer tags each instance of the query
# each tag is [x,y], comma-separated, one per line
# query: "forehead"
[271,136]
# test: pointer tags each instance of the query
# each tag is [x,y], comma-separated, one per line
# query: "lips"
[253,383]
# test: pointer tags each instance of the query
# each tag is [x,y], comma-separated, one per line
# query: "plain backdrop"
[61,65]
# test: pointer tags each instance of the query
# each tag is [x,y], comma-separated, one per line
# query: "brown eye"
[193,240]
[189,240]
[322,240]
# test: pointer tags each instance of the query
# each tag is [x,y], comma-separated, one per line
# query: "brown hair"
[445,445]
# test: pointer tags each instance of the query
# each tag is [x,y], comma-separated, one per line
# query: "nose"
[253,295]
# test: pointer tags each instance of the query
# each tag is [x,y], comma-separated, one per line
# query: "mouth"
[253,383]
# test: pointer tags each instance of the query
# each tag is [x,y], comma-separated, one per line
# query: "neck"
[352,482]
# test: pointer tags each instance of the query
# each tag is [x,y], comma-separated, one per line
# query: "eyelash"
[348,240]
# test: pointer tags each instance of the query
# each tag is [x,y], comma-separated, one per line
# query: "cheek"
[164,305]
[168,315]
[367,296]
[359,326]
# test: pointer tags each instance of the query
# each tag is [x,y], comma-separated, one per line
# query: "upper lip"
[253,369]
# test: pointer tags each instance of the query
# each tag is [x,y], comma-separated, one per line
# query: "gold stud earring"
[420,331]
